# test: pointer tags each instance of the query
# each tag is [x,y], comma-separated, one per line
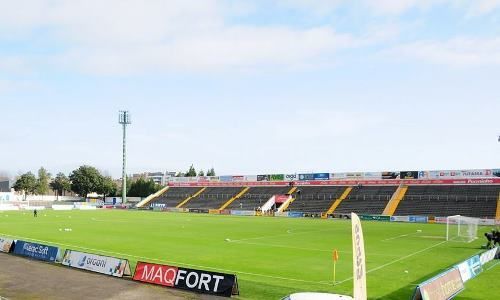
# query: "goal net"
[460,228]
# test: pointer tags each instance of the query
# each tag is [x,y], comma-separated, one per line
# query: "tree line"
[87,179]
[82,181]
[192,172]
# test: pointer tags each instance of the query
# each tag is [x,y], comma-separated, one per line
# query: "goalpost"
[460,228]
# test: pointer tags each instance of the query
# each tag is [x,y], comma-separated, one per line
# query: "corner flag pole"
[335,257]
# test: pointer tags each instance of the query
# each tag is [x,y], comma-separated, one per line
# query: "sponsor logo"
[290,177]
[188,279]
[479,181]
[263,178]
[306,176]
[359,258]
[34,248]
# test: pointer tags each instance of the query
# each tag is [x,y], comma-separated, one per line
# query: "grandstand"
[173,196]
[315,199]
[474,193]
[212,197]
[447,200]
[367,199]
[427,200]
[255,197]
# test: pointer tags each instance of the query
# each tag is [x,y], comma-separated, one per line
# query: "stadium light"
[124,119]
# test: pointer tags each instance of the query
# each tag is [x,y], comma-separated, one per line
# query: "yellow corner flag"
[335,256]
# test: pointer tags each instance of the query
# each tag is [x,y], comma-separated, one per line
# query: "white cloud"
[472,8]
[460,52]
[482,7]
[119,37]
[317,7]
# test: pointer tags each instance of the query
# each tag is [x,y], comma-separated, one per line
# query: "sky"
[250,87]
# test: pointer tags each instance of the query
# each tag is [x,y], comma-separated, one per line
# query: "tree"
[201,173]
[42,187]
[107,187]
[211,172]
[27,183]
[191,172]
[60,184]
[85,180]
[143,188]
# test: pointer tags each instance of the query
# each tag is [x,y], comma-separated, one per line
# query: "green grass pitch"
[272,257]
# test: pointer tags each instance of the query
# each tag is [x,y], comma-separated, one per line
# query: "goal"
[460,228]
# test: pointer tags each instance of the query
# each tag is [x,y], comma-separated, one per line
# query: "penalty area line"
[168,261]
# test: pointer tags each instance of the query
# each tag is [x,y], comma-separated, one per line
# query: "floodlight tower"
[124,119]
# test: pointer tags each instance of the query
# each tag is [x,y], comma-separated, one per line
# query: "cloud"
[472,8]
[124,37]
[483,7]
[459,52]
[226,48]
[317,7]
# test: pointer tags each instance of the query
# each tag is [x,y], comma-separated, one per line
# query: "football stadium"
[250,149]
[279,234]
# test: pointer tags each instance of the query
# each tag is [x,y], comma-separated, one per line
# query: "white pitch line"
[399,236]
[397,260]
[169,261]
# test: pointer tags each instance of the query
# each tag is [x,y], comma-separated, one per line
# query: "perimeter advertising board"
[199,281]
[306,176]
[5,244]
[408,175]
[277,177]
[444,286]
[107,265]
[36,251]
[488,256]
[291,177]
[469,268]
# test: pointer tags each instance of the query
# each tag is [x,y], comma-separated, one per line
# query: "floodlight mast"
[124,119]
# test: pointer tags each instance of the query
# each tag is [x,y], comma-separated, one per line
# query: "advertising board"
[199,281]
[225,178]
[418,219]
[36,251]
[321,176]
[400,219]
[199,210]
[243,212]
[251,178]
[408,175]
[390,175]
[375,218]
[112,266]
[443,286]
[295,214]
[5,244]
[291,177]
[263,178]
[281,214]
[238,178]
[470,268]
[488,256]
[277,177]
[306,176]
